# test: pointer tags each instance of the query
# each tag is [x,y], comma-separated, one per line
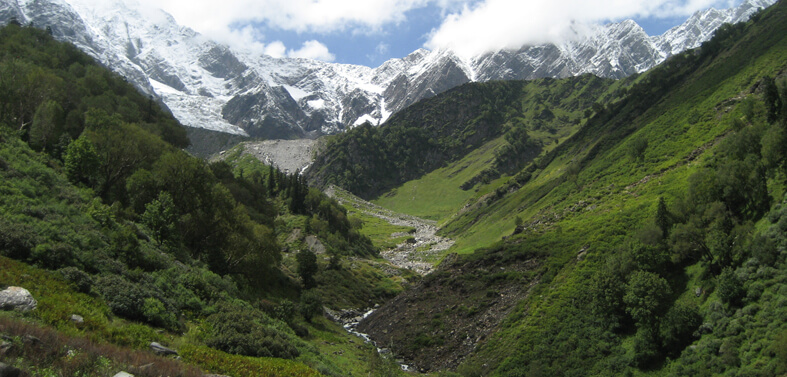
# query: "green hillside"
[102,215]
[530,117]
[650,241]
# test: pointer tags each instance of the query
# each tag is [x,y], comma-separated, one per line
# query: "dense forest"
[122,227]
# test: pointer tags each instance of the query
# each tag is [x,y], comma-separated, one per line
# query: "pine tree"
[663,217]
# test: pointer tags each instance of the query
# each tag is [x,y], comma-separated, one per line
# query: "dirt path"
[420,255]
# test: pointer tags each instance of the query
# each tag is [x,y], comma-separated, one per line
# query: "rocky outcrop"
[17,298]
[160,350]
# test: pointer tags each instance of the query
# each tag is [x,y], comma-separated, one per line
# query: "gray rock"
[17,298]
[76,318]
[4,347]
[698,291]
[123,374]
[315,245]
[29,339]
[158,349]
[9,371]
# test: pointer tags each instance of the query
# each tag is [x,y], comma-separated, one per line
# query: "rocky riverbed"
[418,253]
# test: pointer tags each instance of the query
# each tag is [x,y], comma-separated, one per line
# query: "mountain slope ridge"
[275,98]
[590,208]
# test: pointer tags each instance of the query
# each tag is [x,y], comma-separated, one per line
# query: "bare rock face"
[17,298]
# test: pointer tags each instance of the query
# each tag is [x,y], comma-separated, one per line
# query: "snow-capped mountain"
[206,84]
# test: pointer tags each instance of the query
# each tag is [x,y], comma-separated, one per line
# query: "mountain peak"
[210,85]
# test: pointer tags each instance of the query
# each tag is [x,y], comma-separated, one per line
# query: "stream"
[349,319]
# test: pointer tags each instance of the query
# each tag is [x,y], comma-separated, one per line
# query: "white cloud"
[468,26]
[508,24]
[275,49]
[209,16]
[312,50]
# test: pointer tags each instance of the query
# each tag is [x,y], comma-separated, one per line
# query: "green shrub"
[124,298]
[311,305]
[646,349]
[645,298]
[16,240]
[248,332]
[52,256]
[156,314]
[677,328]
[78,278]
[730,287]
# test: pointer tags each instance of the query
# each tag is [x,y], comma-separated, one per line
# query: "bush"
[677,328]
[646,349]
[81,281]
[646,295]
[248,332]
[52,256]
[125,299]
[16,241]
[729,287]
[311,305]
[156,314]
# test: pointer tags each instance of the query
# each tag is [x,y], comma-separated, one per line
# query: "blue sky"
[369,32]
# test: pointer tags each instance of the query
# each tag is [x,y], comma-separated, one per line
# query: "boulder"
[5,347]
[9,371]
[160,350]
[17,298]
[123,374]
[77,319]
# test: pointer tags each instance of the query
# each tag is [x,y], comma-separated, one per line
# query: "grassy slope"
[691,117]
[438,194]
[612,197]
[615,204]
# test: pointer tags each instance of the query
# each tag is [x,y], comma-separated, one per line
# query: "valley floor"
[421,249]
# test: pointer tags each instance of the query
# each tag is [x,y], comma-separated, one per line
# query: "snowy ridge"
[209,85]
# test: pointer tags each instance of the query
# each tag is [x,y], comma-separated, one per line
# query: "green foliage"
[125,299]
[307,267]
[440,130]
[82,162]
[156,314]
[773,102]
[310,305]
[243,331]
[608,289]
[43,130]
[730,287]
[48,86]
[646,298]
[677,328]
[220,362]
[637,147]
[81,281]
[160,217]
